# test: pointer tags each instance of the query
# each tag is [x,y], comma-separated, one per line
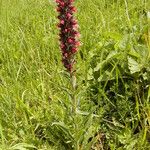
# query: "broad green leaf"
[133,65]
[133,53]
[111,55]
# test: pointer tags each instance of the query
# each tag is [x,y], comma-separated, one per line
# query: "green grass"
[113,77]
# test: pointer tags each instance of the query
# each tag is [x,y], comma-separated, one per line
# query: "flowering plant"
[68,32]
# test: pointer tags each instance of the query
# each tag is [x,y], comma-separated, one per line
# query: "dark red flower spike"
[68,32]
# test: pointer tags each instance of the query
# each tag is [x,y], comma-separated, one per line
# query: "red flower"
[68,32]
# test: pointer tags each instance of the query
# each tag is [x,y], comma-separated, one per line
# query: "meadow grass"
[112,75]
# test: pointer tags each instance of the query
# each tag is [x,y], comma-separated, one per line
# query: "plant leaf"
[133,65]
[22,146]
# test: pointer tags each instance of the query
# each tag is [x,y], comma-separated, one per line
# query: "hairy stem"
[73,86]
[74,108]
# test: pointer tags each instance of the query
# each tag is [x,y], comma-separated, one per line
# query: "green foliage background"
[113,76]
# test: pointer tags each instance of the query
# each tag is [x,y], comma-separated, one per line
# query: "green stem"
[73,86]
[74,108]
